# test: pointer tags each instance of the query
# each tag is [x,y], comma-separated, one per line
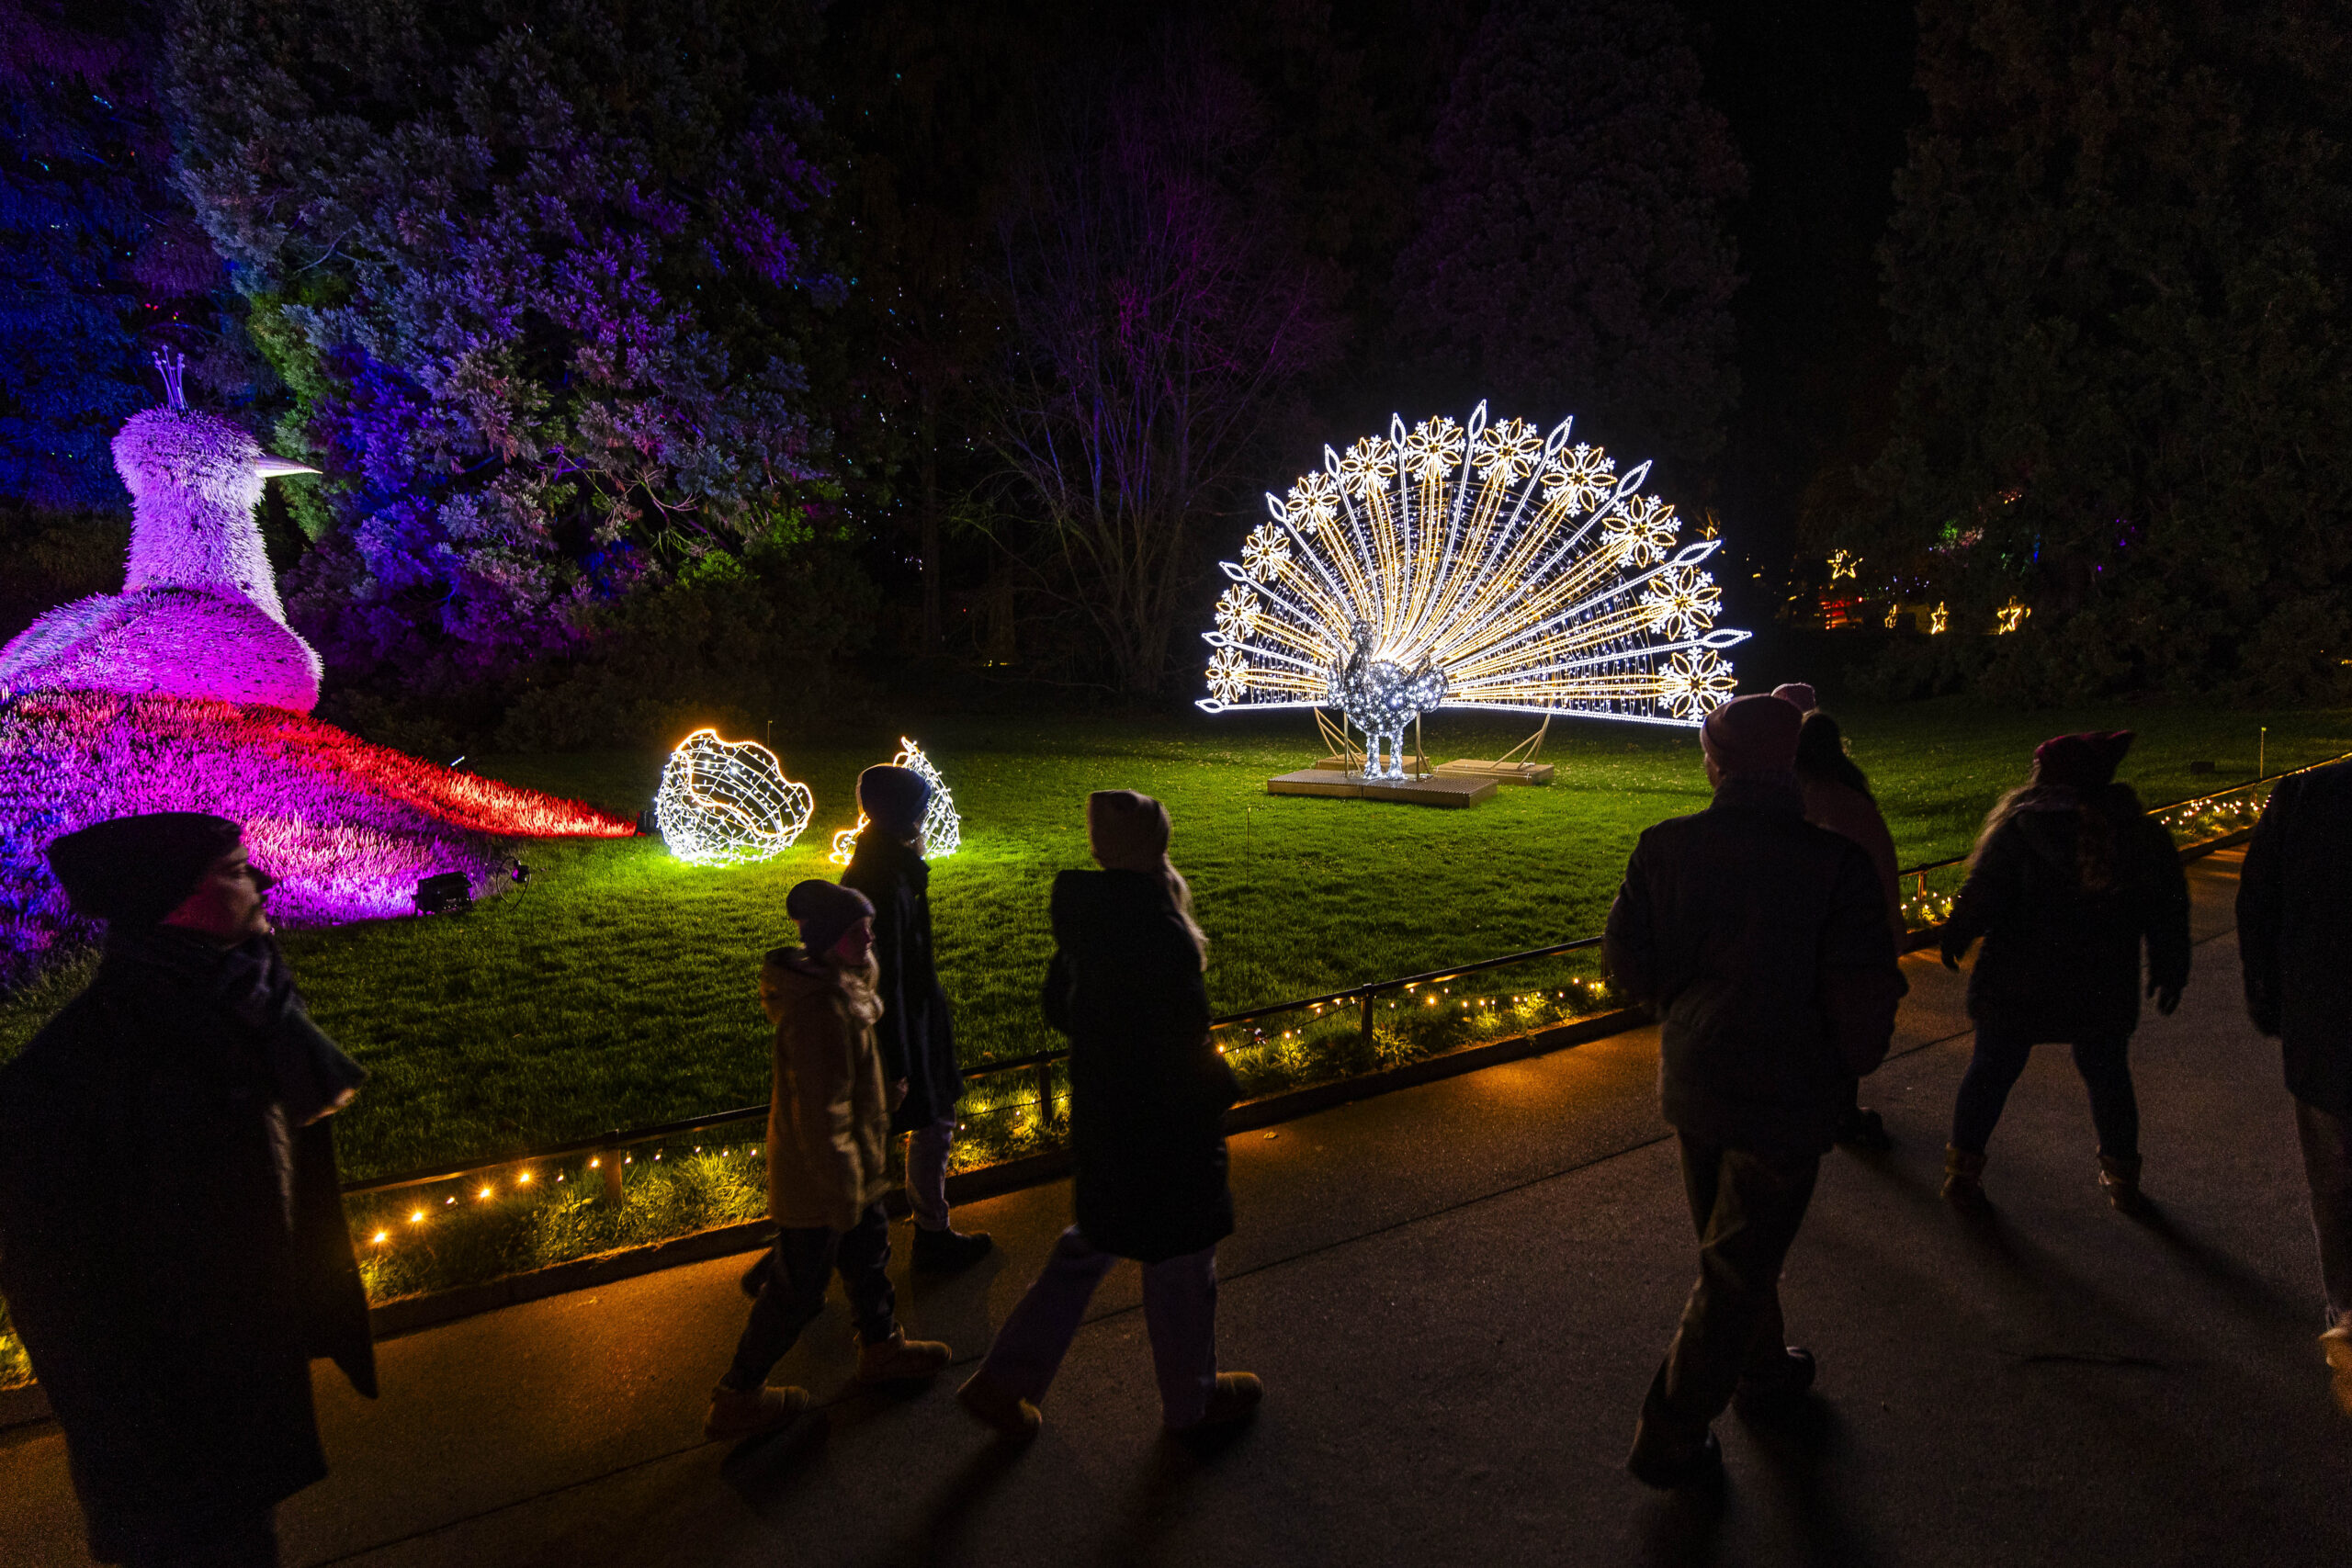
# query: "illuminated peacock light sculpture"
[1478,567]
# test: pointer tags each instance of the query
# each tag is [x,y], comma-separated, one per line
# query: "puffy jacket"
[829,1119]
[2295,931]
[1762,942]
[2061,959]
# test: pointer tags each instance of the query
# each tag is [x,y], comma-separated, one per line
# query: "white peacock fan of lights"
[1486,567]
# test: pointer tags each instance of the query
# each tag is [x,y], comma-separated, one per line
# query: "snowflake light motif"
[942,829]
[1697,683]
[1402,579]
[727,802]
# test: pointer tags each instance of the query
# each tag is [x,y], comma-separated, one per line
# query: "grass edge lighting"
[728,802]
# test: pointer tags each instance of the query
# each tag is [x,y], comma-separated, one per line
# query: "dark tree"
[2118,266]
[1573,255]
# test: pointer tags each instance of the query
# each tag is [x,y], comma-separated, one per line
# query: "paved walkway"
[1457,1294]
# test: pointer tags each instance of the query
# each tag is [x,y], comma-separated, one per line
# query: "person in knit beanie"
[917,1030]
[1760,943]
[172,1238]
[1148,1090]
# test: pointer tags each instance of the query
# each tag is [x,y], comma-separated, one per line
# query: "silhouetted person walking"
[829,1121]
[172,1237]
[2068,879]
[1761,942]
[916,1036]
[1147,1098]
[2295,940]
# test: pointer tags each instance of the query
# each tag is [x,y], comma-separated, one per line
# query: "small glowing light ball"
[725,802]
[943,830]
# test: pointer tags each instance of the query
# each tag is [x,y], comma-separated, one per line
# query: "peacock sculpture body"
[1470,566]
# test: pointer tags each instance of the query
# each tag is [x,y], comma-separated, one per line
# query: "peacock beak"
[271,468]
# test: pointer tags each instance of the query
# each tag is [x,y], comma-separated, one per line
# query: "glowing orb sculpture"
[1478,567]
[943,830]
[727,802]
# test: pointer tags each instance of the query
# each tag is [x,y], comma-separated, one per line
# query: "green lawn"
[616,988]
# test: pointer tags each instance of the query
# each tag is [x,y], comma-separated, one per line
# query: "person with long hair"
[1838,796]
[1147,1096]
[2069,878]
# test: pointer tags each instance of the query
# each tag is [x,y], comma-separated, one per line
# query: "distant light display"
[943,830]
[725,802]
[1478,567]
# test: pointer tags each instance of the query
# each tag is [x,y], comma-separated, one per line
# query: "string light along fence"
[2200,821]
[467,1223]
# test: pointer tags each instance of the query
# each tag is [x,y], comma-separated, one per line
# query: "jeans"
[927,1172]
[1747,1205]
[1179,1311]
[196,1537]
[1993,1071]
[2327,1165]
[800,1266]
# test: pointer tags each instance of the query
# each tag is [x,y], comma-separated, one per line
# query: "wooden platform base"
[1435,789]
[1343,765]
[1501,772]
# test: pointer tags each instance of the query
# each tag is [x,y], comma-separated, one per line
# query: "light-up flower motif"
[1696,683]
[1433,451]
[1640,530]
[942,829]
[1228,675]
[1314,503]
[1509,451]
[1370,464]
[1265,553]
[1236,612]
[1682,603]
[1578,476]
[1455,586]
[725,802]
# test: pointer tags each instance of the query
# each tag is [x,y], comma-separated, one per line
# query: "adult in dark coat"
[916,1034]
[1148,1093]
[172,1236]
[2294,933]
[1761,942]
[2069,879]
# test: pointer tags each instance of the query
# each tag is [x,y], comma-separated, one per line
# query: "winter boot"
[1233,1400]
[2336,1345]
[1778,1392]
[946,1251]
[1016,1420]
[901,1359]
[1653,1464]
[737,1414]
[2119,1178]
[1965,1181]
[1864,1128]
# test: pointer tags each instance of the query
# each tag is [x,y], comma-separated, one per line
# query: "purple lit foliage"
[533,284]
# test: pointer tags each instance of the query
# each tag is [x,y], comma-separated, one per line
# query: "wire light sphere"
[727,802]
[943,830]
[1478,567]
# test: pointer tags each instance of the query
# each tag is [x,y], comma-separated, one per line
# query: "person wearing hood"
[918,1039]
[2069,878]
[829,1124]
[172,1238]
[1838,796]
[1148,1092]
[1761,941]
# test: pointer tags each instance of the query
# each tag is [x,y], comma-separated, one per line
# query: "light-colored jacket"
[829,1119]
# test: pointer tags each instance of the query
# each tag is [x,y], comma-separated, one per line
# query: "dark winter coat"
[2061,959]
[1148,1090]
[171,1278]
[2295,932]
[1761,941]
[917,1037]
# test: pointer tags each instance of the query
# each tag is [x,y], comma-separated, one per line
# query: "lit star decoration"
[942,829]
[1843,563]
[725,802]
[2012,615]
[1939,621]
[1484,566]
